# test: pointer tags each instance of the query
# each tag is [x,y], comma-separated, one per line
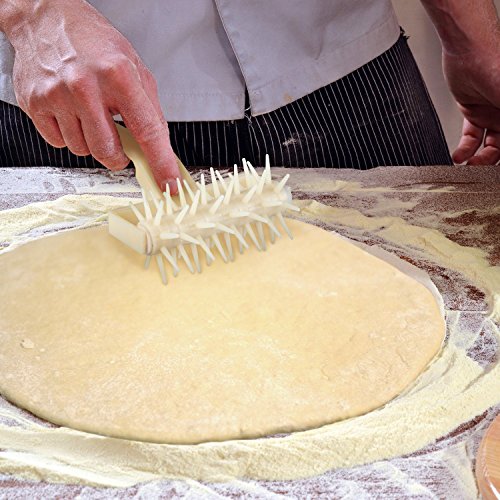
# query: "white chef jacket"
[204,53]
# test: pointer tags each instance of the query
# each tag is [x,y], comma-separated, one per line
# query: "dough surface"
[310,332]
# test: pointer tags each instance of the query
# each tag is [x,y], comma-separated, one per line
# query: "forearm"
[463,25]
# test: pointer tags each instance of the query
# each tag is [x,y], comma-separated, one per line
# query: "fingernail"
[172,183]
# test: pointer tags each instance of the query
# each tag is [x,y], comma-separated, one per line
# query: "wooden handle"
[488,462]
[143,172]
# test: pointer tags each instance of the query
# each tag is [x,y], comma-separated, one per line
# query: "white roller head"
[208,219]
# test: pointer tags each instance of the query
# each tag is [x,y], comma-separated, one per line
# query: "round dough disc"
[312,331]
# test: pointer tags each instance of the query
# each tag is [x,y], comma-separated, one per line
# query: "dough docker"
[203,219]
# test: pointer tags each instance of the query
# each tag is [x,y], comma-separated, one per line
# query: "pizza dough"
[312,331]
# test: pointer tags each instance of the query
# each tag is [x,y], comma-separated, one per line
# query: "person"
[313,84]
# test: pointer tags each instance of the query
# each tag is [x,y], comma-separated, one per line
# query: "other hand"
[474,79]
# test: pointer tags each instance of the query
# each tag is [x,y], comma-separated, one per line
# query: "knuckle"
[51,91]
[52,140]
[115,67]
[148,76]
[151,133]
[108,155]
[34,101]
[78,83]
[79,150]
[23,102]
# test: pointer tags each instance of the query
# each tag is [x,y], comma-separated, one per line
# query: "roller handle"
[143,172]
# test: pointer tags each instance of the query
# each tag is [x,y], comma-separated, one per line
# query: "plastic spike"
[272,203]
[185,257]
[194,206]
[241,239]
[238,213]
[216,205]
[250,194]
[281,183]
[209,257]
[147,208]
[272,235]
[187,187]
[285,227]
[229,192]
[203,189]
[242,244]
[218,245]
[257,217]
[256,176]
[182,196]
[147,262]
[161,267]
[260,184]
[155,201]
[171,260]
[206,249]
[267,171]
[224,228]
[180,216]
[273,229]
[170,204]
[290,206]
[194,252]
[248,176]
[236,176]
[230,178]
[159,213]
[251,233]
[169,209]
[229,246]
[215,185]
[260,232]
[221,180]
[138,214]
[205,225]
[188,238]
[169,236]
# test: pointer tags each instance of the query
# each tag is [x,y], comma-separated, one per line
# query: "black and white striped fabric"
[380,114]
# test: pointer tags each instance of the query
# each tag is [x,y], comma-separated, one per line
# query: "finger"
[490,154]
[470,142]
[149,83]
[72,133]
[151,88]
[102,138]
[485,116]
[151,132]
[97,126]
[49,129]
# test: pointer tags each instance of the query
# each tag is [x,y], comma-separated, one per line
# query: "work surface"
[459,201]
